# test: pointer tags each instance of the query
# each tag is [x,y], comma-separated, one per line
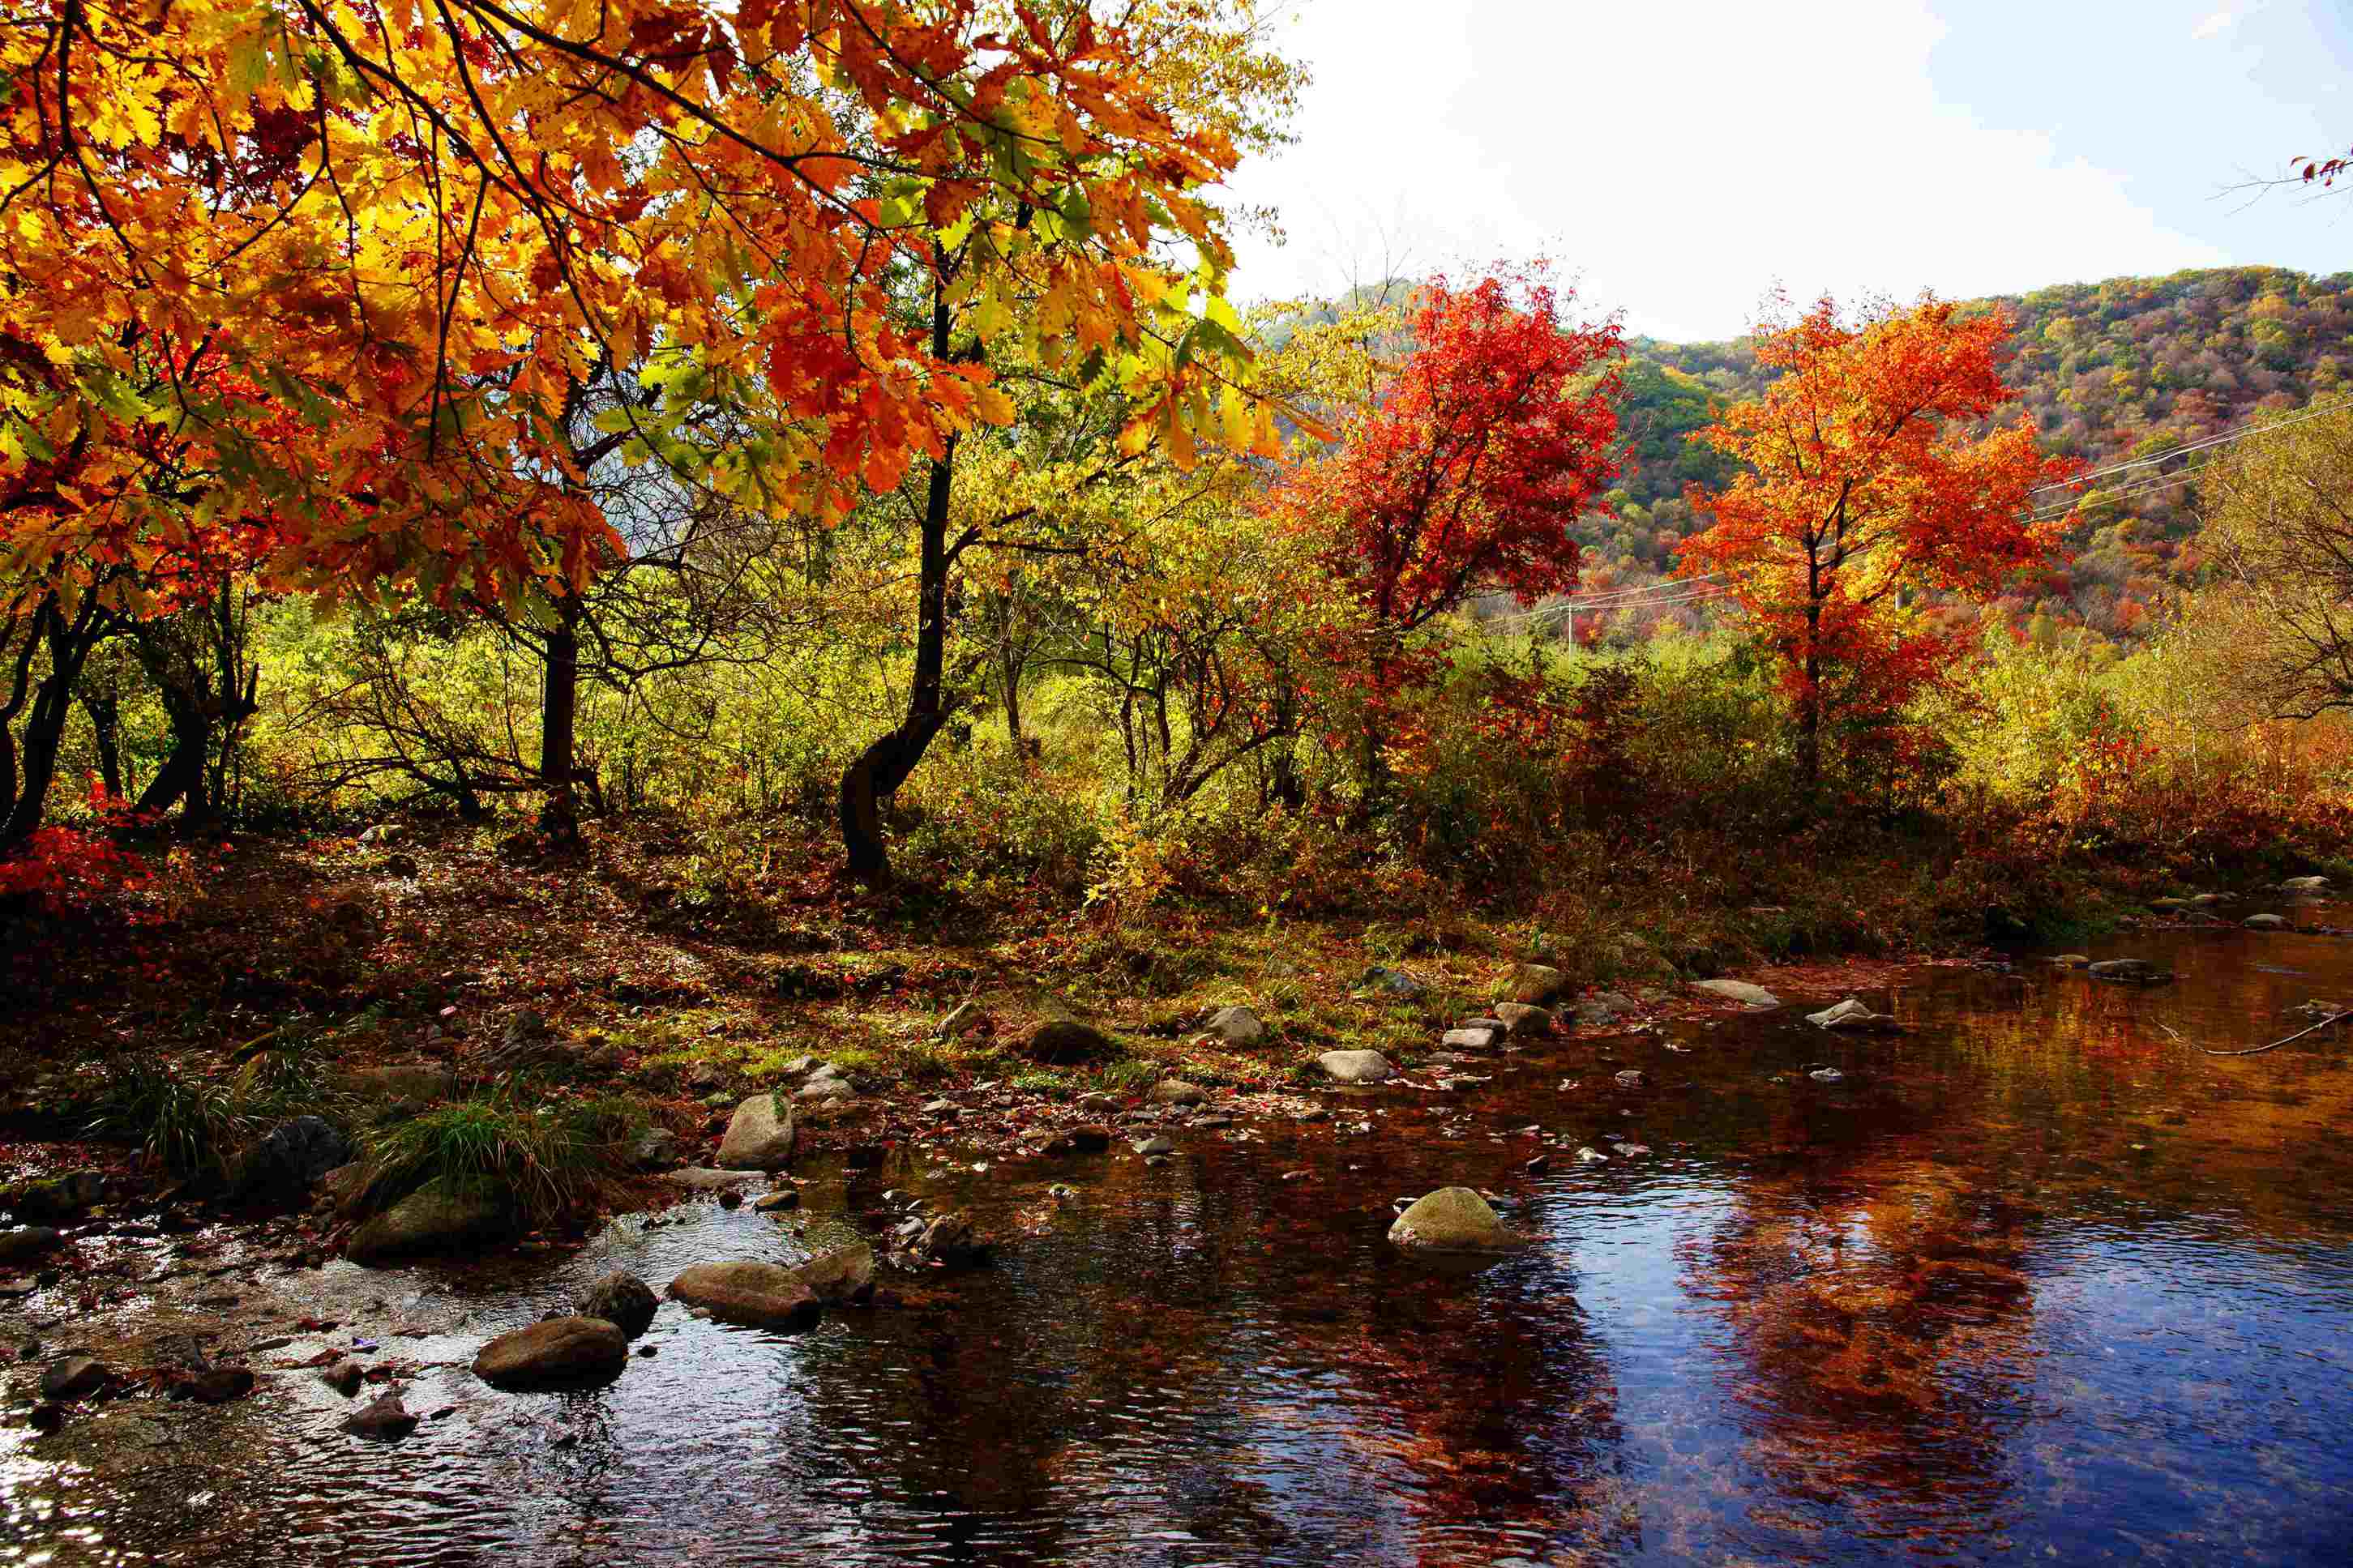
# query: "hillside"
[2128,368]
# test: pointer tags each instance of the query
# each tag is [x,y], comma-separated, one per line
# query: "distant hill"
[2109,371]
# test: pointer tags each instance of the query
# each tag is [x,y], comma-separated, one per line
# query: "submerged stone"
[1451,1220]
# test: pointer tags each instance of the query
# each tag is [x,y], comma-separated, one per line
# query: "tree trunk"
[1810,706]
[884,766]
[182,776]
[558,726]
[1009,664]
[35,762]
[104,730]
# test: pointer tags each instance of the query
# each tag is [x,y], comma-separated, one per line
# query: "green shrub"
[543,1161]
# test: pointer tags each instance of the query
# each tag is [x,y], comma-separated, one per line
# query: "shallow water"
[2037,1282]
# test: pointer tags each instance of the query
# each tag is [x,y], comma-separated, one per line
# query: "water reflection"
[2037,1279]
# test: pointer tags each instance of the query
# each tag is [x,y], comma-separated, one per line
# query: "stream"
[2037,1282]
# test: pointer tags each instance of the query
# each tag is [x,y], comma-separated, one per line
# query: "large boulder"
[759,1136]
[429,1220]
[1066,1042]
[556,1353]
[623,1301]
[840,1277]
[2265,923]
[2304,885]
[292,1159]
[1533,984]
[755,1295]
[24,1244]
[1739,991]
[1355,1067]
[1524,1020]
[1451,1220]
[1236,1026]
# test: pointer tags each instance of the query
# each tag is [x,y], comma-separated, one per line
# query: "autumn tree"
[2278,536]
[1869,482]
[1463,475]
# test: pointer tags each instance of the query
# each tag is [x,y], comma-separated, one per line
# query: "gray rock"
[1535,985]
[1588,1156]
[1355,1067]
[427,1221]
[2304,885]
[656,1150]
[824,1086]
[556,1353]
[1176,1092]
[1631,1078]
[1237,1025]
[941,1108]
[755,1295]
[1739,991]
[1826,1075]
[622,1300]
[951,1240]
[74,1377]
[703,1179]
[1852,1015]
[292,1159]
[841,1276]
[1596,1015]
[1154,1145]
[1523,1020]
[759,1136]
[24,1244]
[2072,961]
[1066,1042]
[1452,1219]
[1098,1104]
[1476,1035]
[2129,972]
[383,1420]
[1393,983]
[783,1198]
[2264,922]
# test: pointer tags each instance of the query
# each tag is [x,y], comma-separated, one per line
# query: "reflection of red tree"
[1883,1325]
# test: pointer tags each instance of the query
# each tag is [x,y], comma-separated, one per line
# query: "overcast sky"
[1680,158]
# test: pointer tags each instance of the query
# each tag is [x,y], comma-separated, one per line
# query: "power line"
[2221,439]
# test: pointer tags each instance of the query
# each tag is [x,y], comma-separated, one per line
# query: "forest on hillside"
[2112,372]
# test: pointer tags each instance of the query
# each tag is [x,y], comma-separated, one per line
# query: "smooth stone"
[74,1377]
[1523,1019]
[1176,1092]
[1155,1145]
[2072,961]
[1535,985]
[1739,991]
[755,1295]
[557,1351]
[1478,1034]
[345,1377]
[840,1277]
[703,1179]
[1355,1067]
[429,1220]
[1066,1042]
[1451,1220]
[2264,922]
[781,1199]
[1236,1026]
[622,1300]
[1850,1015]
[759,1136]
[383,1419]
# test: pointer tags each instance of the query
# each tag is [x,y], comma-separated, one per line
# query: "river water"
[2037,1282]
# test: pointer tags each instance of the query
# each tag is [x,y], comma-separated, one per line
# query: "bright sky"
[1680,158]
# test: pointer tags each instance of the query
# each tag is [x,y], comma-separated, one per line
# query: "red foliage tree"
[1463,477]
[1870,481]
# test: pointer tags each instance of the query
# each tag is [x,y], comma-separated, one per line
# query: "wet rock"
[1392,983]
[1852,1015]
[2304,885]
[1631,1150]
[655,1150]
[826,1084]
[1535,985]
[1097,1104]
[1236,1026]
[1739,991]
[781,1199]
[1631,1078]
[27,1243]
[950,1240]
[216,1386]
[1826,1075]
[345,1377]
[54,1197]
[1538,1166]
[1452,1219]
[1596,1015]
[1066,1042]
[1176,1092]
[46,1417]
[1090,1139]
[72,1377]
[1588,1156]
[841,1276]
[755,1295]
[2129,972]
[427,1221]
[2070,960]
[1522,1020]
[1155,1145]
[622,1300]
[1355,1067]
[732,1198]
[1473,1035]
[759,1136]
[382,1419]
[292,1159]
[2264,922]
[558,1351]
[703,1179]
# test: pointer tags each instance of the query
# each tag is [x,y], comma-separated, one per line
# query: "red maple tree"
[1463,477]
[1871,484]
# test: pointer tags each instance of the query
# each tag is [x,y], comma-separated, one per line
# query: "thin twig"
[2259,1051]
